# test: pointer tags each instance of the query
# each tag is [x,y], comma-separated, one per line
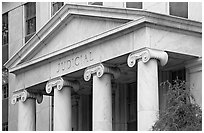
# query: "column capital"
[99,70]
[59,83]
[24,95]
[145,55]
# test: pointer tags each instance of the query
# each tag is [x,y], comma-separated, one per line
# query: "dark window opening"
[5,29]
[5,126]
[5,38]
[96,3]
[5,91]
[56,6]
[30,18]
[132,107]
[179,9]
[179,74]
[90,112]
[137,5]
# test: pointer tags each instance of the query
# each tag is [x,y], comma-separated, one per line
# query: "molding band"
[146,55]
[99,70]
[24,95]
[59,83]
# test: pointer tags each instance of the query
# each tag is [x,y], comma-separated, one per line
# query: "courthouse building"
[96,65]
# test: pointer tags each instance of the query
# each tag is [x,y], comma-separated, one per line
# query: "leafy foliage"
[181,113]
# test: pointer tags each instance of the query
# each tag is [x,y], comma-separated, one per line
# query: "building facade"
[96,65]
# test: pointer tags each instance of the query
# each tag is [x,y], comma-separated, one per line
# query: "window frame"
[5,30]
[134,7]
[5,91]
[28,32]
[95,3]
[169,10]
[52,7]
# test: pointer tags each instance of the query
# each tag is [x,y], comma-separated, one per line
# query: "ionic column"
[26,109]
[62,102]
[102,96]
[147,85]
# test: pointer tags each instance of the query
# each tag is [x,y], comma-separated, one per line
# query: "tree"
[182,113]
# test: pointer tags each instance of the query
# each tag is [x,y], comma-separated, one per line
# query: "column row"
[147,87]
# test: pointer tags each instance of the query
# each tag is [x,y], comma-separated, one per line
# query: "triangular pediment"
[72,24]
[77,23]
[75,30]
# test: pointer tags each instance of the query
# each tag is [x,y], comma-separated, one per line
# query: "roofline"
[70,10]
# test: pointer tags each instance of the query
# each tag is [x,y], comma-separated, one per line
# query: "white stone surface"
[168,40]
[62,109]
[13,109]
[27,115]
[196,86]
[16,30]
[90,26]
[8,6]
[194,78]
[43,14]
[102,103]
[43,114]
[114,4]
[113,48]
[195,14]
[148,102]
[158,7]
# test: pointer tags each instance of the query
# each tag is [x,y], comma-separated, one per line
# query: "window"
[137,5]
[5,126]
[56,6]
[30,18]
[180,74]
[5,29]
[5,38]
[95,3]
[5,91]
[179,9]
[132,107]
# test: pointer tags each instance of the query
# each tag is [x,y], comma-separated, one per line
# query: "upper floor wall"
[44,10]
[158,7]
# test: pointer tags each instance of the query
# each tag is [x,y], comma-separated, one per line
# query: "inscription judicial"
[75,61]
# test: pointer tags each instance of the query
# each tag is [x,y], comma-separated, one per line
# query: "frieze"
[76,61]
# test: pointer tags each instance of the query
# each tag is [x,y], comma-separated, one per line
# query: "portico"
[97,66]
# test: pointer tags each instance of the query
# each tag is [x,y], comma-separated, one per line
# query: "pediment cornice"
[18,61]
